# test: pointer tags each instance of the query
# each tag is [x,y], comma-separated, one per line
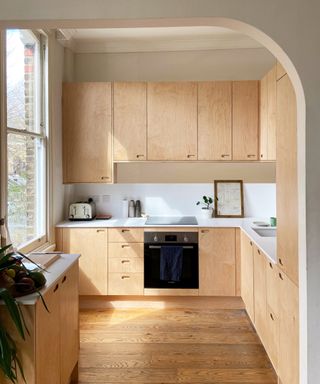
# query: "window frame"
[41,135]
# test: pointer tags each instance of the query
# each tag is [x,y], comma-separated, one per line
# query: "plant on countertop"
[15,280]
[207,201]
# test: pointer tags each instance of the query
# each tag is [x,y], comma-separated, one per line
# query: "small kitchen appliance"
[82,210]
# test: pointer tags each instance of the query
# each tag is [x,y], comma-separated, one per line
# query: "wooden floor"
[173,345]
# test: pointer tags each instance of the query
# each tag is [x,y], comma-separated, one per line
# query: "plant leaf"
[43,301]
[12,307]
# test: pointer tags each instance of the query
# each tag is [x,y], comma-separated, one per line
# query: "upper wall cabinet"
[172,121]
[268,115]
[214,120]
[245,120]
[87,142]
[129,121]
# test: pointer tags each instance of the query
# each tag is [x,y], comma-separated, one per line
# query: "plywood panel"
[260,292]
[264,118]
[287,183]
[87,143]
[214,120]
[129,121]
[217,262]
[272,113]
[125,235]
[245,120]
[247,274]
[172,121]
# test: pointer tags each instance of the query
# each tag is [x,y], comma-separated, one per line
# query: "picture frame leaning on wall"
[229,198]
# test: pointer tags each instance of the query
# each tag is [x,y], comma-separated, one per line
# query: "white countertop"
[54,272]
[266,244]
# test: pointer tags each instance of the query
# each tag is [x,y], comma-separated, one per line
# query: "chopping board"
[44,259]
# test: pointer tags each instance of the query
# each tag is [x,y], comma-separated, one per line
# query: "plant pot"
[206,213]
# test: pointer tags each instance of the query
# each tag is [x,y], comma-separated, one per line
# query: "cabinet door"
[260,292]
[217,262]
[92,244]
[272,113]
[126,283]
[289,331]
[86,119]
[245,114]
[247,274]
[287,185]
[47,338]
[129,121]
[214,120]
[264,118]
[172,121]
[69,322]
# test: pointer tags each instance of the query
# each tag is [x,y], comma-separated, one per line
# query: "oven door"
[190,267]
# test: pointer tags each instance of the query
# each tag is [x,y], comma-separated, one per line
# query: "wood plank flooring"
[173,345]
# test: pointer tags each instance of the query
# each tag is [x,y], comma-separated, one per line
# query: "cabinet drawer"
[125,250]
[123,264]
[126,283]
[126,235]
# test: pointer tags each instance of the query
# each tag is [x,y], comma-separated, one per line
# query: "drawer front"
[123,264]
[126,235]
[125,283]
[126,250]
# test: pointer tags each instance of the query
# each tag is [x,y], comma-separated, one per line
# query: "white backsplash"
[173,199]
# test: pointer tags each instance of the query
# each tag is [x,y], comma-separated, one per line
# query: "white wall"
[173,199]
[219,64]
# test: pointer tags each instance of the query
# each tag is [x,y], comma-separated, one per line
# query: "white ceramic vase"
[206,213]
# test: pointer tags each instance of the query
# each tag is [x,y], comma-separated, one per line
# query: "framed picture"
[229,198]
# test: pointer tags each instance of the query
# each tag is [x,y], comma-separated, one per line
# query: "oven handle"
[159,246]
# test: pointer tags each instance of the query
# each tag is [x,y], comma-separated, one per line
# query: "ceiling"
[117,40]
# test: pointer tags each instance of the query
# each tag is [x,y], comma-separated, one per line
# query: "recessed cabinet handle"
[259,252]
[64,279]
[100,230]
[138,156]
[251,156]
[125,261]
[204,230]
[271,315]
[125,230]
[125,246]
[105,177]
[251,243]
[188,156]
[270,264]
[225,155]
[280,262]
[125,277]
[280,275]
[261,155]
[56,288]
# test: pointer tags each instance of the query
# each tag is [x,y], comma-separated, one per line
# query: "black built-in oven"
[153,252]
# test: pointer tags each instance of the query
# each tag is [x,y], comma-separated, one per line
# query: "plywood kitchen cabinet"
[288,365]
[129,121]
[87,133]
[287,183]
[247,274]
[268,115]
[217,262]
[125,271]
[214,120]
[245,120]
[260,292]
[172,121]
[50,351]
[92,244]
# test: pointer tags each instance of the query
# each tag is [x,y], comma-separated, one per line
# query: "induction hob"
[172,220]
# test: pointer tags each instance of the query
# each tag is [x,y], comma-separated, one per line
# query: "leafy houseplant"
[207,209]
[15,280]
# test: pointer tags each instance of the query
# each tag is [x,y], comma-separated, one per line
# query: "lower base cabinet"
[49,354]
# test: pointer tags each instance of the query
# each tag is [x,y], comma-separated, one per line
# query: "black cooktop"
[172,220]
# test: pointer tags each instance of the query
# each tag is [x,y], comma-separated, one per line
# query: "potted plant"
[15,280]
[207,209]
